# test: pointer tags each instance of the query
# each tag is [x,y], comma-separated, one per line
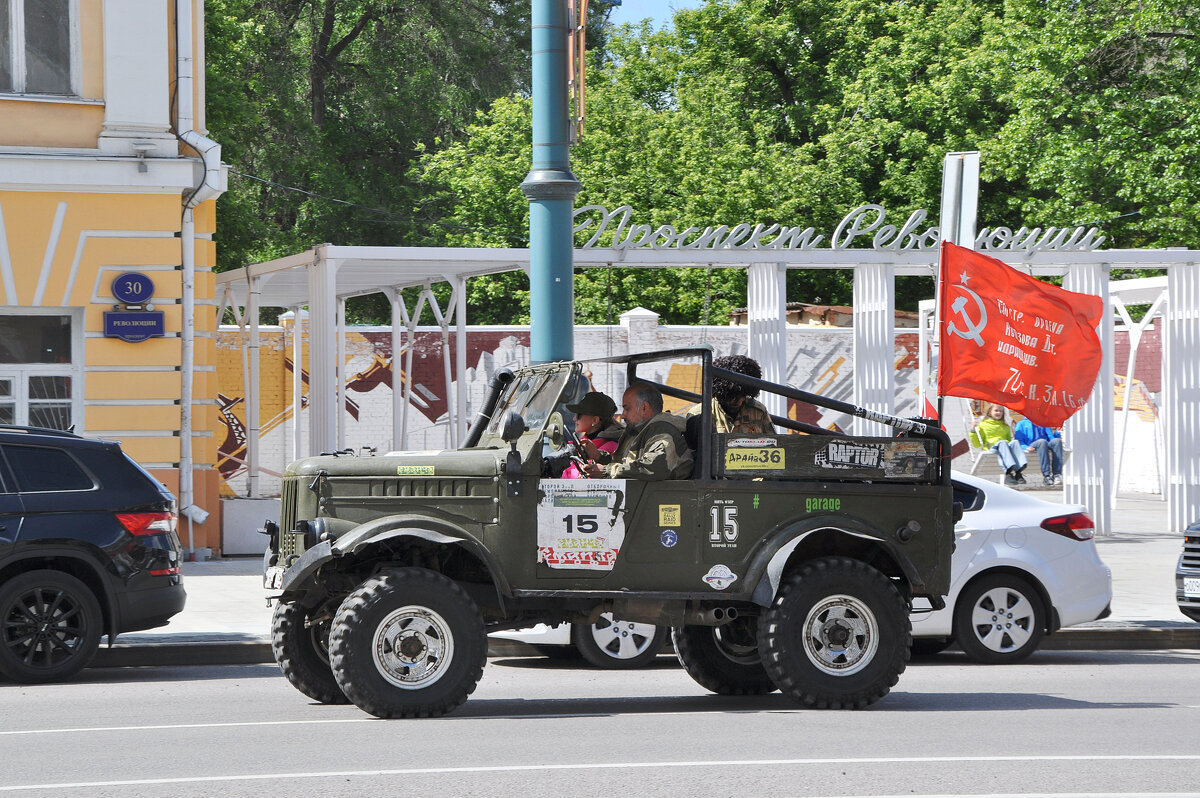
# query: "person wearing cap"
[734,406]
[596,427]
[652,446]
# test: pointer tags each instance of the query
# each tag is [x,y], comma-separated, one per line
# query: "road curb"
[214,652]
[217,651]
[1130,638]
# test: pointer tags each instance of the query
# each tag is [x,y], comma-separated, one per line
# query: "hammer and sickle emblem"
[971,329]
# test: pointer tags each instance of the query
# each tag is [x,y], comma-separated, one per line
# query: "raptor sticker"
[850,455]
[669,538]
[720,577]
[581,523]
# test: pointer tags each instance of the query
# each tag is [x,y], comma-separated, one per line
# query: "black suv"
[87,548]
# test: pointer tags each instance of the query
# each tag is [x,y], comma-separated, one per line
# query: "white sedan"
[1022,567]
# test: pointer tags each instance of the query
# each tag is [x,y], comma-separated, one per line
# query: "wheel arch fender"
[79,565]
[359,541]
[827,535]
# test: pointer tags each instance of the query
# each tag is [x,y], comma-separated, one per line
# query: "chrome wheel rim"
[841,635]
[1002,620]
[413,647]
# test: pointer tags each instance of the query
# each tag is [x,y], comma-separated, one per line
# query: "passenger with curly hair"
[734,406]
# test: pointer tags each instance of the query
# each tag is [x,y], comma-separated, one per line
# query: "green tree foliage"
[788,111]
[337,98]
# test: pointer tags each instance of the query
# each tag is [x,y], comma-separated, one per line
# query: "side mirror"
[512,427]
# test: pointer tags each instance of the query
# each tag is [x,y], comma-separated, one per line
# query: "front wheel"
[49,627]
[999,619]
[837,635]
[615,644]
[408,643]
[724,659]
[300,644]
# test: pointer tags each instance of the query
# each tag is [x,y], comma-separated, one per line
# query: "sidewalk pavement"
[227,620]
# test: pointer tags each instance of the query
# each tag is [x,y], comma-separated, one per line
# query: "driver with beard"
[652,446]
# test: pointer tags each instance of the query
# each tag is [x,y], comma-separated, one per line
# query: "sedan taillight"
[1077,526]
[147,523]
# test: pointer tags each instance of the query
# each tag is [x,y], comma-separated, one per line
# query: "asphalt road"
[1066,722]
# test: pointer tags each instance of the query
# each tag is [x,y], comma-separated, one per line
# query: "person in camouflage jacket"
[652,446]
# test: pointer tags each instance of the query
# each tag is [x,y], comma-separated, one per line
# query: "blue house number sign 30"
[133,288]
[133,320]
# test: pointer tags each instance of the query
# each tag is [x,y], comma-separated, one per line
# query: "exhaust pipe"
[712,617]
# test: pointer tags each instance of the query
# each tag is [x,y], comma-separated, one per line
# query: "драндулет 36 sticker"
[767,457]
[720,577]
[669,538]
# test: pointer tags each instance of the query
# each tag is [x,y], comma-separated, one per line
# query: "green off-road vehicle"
[786,561]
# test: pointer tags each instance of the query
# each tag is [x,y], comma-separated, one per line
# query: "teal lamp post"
[551,188]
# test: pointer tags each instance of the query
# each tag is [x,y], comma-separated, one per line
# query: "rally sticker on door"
[581,523]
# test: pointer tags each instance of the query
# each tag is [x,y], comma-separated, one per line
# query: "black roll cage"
[913,427]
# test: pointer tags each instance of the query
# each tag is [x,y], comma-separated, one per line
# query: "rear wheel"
[999,619]
[724,659]
[408,643]
[614,644]
[50,627]
[837,635]
[301,647]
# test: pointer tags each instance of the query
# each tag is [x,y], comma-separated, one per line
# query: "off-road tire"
[618,645]
[837,635]
[999,619]
[438,628]
[50,627]
[724,659]
[302,651]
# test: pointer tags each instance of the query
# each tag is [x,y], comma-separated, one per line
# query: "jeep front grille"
[287,519]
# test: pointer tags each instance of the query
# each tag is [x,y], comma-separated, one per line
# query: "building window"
[36,48]
[39,376]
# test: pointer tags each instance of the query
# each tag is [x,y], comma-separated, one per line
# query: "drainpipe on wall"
[211,184]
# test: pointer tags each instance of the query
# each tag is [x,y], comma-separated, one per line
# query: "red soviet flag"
[1009,338]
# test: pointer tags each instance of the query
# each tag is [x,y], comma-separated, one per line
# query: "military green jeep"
[786,561]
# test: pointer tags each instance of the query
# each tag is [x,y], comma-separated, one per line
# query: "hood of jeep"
[434,463]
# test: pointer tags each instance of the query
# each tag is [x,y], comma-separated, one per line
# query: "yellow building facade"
[105,173]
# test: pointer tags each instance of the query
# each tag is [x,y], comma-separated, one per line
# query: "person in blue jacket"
[1048,445]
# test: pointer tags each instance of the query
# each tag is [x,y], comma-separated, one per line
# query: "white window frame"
[16,15]
[21,372]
